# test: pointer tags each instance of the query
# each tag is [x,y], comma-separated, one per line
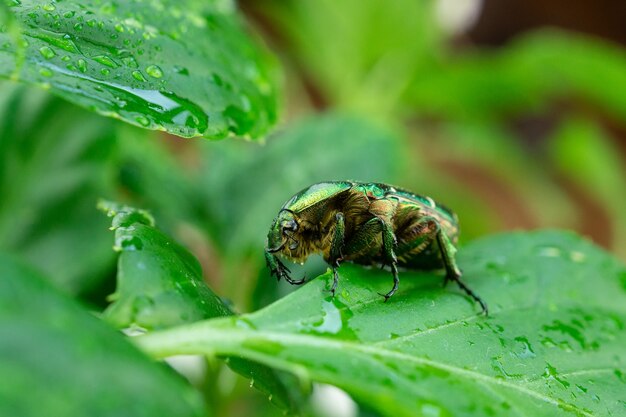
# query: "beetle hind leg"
[453,273]
[396,282]
[469,292]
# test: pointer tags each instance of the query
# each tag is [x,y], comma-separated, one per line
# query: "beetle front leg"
[336,248]
[278,269]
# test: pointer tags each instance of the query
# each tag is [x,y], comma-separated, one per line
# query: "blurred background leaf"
[186,67]
[55,162]
[59,360]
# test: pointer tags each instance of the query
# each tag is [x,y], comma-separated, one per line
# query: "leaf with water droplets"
[553,344]
[185,67]
[159,282]
[160,285]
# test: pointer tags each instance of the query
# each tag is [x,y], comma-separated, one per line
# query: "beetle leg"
[363,240]
[389,244]
[453,273]
[425,230]
[336,248]
[278,269]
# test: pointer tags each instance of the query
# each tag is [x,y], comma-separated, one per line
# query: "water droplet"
[573,330]
[138,76]
[131,243]
[129,61]
[46,52]
[333,320]
[142,120]
[91,23]
[82,65]
[46,72]
[78,27]
[105,60]
[154,71]
[527,350]
[49,7]
[66,58]
[119,27]
[105,71]
[550,373]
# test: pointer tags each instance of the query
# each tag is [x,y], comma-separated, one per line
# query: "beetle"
[367,224]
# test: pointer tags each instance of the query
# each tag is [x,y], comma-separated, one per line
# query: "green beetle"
[368,224]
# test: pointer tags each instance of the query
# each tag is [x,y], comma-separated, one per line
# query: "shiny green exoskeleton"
[369,224]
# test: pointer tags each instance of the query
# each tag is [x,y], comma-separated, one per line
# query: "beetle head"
[282,232]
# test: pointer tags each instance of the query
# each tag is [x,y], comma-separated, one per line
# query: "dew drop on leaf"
[134,243]
[82,65]
[143,121]
[154,71]
[105,60]
[46,52]
[138,76]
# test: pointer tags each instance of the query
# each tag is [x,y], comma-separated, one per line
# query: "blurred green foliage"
[523,136]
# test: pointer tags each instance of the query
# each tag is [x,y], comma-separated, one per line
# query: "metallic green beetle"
[368,224]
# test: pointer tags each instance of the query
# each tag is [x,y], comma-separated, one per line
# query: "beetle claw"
[295,282]
[387,296]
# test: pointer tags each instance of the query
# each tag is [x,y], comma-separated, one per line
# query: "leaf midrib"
[198,339]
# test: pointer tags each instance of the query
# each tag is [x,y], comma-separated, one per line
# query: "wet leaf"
[160,285]
[552,346]
[185,67]
[159,282]
[58,359]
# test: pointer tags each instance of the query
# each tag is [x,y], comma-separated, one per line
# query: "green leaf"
[536,69]
[583,152]
[383,46]
[160,285]
[552,346]
[159,282]
[186,67]
[59,360]
[55,162]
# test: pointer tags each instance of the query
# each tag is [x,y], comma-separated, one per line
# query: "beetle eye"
[291,225]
